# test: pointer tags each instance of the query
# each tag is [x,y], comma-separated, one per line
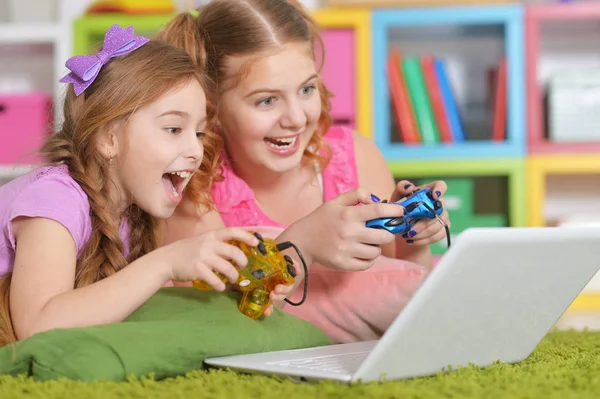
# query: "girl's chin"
[276,164]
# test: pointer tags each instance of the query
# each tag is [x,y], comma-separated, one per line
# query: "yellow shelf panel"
[586,302]
[359,20]
[565,163]
[540,166]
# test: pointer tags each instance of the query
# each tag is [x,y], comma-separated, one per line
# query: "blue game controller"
[419,204]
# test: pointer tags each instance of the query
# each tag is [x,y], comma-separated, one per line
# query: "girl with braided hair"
[79,242]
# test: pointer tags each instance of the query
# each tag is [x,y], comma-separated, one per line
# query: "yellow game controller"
[267,267]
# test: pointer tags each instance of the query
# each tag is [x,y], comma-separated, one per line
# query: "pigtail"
[143,236]
[103,253]
[7,332]
[183,32]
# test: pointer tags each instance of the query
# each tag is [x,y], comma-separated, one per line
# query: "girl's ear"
[108,144]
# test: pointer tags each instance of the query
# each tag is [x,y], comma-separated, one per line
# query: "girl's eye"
[267,101]
[308,89]
[174,130]
[200,135]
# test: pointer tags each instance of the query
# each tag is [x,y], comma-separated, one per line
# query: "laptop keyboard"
[340,363]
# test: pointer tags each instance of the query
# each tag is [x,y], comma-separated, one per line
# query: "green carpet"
[566,364]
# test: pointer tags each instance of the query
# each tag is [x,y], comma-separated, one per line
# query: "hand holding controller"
[267,267]
[418,205]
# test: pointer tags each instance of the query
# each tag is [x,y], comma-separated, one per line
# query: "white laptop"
[492,297]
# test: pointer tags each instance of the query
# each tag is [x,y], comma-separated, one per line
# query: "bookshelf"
[33,53]
[472,21]
[557,37]
[536,17]
[564,25]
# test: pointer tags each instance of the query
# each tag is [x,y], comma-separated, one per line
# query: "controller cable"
[282,247]
[441,221]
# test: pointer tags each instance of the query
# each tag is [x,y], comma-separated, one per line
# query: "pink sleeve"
[57,197]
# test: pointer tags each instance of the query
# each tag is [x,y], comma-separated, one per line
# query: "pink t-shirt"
[236,202]
[48,192]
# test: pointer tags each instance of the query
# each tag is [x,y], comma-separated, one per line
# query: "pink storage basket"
[25,120]
[339,74]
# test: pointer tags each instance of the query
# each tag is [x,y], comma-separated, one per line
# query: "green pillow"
[169,335]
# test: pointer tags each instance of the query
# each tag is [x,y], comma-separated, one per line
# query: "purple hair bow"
[85,68]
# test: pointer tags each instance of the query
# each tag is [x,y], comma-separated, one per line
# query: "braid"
[143,232]
[7,331]
[103,253]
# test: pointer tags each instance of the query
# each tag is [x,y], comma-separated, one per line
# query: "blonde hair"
[232,28]
[149,72]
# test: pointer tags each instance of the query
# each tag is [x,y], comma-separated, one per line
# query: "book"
[435,95]
[449,101]
[403,113]
[413,75]
[499,121]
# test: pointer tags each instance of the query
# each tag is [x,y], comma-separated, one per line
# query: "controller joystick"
[419,204]
[267,267]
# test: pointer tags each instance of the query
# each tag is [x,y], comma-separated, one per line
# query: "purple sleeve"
[57,197]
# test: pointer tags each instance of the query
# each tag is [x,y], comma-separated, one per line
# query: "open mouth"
[281,143]
[175,182]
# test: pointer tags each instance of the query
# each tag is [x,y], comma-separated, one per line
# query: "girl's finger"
[211,279]
[237,233]
[440,235]
[230,252]
[366,252]
[218,264]
[269,311]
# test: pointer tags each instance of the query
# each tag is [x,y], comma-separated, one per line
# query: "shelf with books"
[561,66]
[575,196]
[439,71]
